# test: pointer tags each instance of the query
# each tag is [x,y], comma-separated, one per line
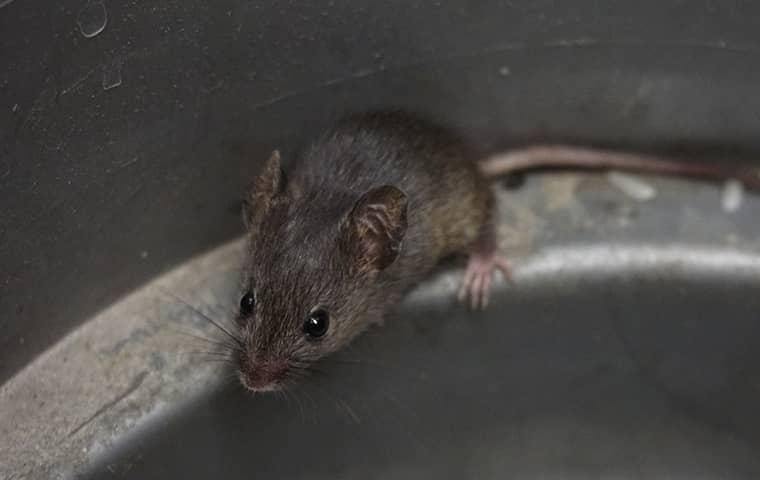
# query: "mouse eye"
[247,303]
[316,323]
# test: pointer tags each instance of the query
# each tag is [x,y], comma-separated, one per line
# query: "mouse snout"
[262,375]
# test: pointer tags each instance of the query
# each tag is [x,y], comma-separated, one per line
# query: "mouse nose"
[261,376]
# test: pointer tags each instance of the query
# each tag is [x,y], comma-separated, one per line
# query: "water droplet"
[111,76]
[504,71]
[92,18]
[15,108]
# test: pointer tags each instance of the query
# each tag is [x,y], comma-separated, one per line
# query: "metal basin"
[627,346]
[623,349]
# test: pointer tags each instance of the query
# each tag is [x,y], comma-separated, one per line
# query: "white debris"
[632,185]
[733,196]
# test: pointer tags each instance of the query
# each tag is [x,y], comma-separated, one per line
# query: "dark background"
[102,189]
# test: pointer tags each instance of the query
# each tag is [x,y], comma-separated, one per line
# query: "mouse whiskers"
[289,393]
[339,402]
[224,344]
[232,341]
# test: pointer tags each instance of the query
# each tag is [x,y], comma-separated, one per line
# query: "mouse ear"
[375,227]
[263,190]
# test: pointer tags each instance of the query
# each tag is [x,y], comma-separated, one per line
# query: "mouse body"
[363,215]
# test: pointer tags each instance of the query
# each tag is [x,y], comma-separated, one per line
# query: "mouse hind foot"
[476,284]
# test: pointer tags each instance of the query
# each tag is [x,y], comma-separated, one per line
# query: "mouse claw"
[476,283]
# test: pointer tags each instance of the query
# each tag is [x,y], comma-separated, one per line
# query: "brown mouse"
[363,216]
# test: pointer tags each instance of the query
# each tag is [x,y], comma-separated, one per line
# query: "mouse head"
[315,276]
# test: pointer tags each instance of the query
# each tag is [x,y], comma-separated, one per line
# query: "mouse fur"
[361,217]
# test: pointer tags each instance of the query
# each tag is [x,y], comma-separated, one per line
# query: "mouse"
[363,215]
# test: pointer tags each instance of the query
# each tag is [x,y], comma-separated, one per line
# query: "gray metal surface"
[628,347]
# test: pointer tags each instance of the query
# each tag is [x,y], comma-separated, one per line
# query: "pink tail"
[572,157]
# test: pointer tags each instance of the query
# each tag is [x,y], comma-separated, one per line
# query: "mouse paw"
[476,284]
